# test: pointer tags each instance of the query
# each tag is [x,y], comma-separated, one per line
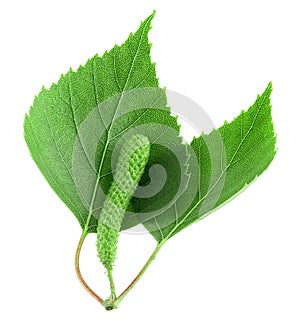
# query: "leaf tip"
[269,89]
[270,86]
[149,19]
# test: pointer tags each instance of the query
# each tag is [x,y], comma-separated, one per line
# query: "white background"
[240,262]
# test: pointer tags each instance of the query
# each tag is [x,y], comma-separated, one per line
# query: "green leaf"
[229,159]
[73,128]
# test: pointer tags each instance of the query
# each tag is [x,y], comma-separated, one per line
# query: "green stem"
[138,277]
[78,272]
[112,284]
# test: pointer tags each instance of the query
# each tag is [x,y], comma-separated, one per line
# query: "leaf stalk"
[138,277]
[78,272]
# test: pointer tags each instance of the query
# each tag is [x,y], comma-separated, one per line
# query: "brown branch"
[78,272]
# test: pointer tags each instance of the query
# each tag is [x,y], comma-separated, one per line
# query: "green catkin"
[131,163]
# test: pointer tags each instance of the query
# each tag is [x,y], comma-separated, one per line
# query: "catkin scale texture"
[130,166]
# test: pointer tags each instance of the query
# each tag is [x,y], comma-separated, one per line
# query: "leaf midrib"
[86,227]
[164,239]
